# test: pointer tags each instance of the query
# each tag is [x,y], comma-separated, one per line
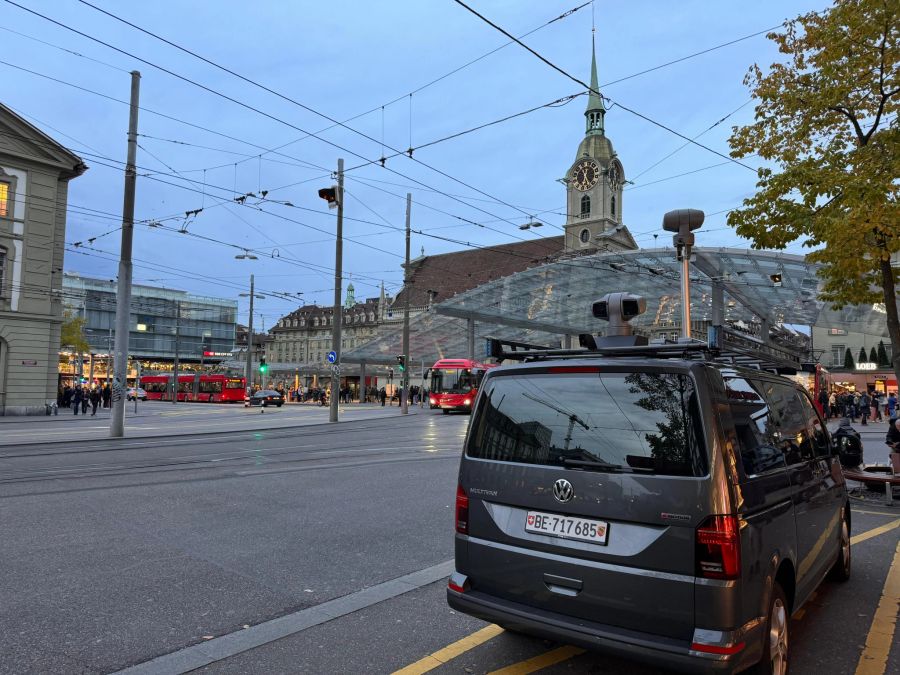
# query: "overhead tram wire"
[564,15]
[165,116]
[274,150]
[274,93]
[586,86]
[495,248]
[257,110]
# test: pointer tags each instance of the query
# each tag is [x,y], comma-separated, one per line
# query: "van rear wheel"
[775,647]
[841,569]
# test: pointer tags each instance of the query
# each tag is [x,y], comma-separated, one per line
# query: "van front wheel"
[775,648]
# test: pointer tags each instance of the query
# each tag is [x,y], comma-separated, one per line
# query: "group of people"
[80,397]
[864,405]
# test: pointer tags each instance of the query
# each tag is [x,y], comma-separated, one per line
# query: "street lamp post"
[335,198]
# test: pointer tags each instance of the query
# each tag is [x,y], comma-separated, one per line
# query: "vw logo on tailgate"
[563,490]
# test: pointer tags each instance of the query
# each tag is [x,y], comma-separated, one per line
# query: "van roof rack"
[520,351]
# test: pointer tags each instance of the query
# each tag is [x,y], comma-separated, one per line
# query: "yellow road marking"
[451,651]
[874,513]
[544,660]
[874,532]
[799,614]
[874,658]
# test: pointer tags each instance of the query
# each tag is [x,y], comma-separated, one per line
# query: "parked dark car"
[672,509]
[267,397]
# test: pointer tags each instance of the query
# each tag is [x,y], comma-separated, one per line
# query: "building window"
[4,200]
[837,355]
[585,206]
[585,236]
[612,207]
[2,269]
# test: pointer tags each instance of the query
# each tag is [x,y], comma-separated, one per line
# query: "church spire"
[595,108]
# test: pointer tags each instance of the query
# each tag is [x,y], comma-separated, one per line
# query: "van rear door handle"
[563,585]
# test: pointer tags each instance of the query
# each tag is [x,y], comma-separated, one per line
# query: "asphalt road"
[153,419]
[314,549]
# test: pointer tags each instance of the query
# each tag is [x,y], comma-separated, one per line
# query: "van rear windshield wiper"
[603,466]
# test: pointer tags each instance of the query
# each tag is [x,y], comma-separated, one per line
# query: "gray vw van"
[650,502]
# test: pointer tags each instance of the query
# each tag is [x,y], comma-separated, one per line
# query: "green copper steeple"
[595,108]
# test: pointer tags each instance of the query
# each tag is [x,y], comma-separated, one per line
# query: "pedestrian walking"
[95,400]
[383,396]
[892,405]
[76,399]
[877,398]
[865,407]
[832,405]
[107,395]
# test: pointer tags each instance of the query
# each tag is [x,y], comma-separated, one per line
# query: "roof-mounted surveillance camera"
[683,222]
[619,309]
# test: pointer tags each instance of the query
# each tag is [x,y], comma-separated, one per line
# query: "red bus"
[824,381]
[199,388]
[455,382]
[816,380]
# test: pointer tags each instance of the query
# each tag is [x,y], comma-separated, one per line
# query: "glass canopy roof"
[542,304]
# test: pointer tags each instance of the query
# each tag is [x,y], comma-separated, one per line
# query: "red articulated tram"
[198,388]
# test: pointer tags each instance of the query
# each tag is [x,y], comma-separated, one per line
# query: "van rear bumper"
[658,650]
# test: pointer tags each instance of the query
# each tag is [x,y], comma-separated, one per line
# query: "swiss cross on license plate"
[568,527]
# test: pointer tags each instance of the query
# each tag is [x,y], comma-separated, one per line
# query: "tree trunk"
[890,306]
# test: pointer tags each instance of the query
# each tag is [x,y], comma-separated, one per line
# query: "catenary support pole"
[338,288]
[249,369]
[404,376]
[123,290]
[470,339]
[175,362]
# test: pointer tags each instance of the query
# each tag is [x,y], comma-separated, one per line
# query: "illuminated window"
[4,200]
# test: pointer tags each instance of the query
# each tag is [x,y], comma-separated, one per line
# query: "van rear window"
[618,422]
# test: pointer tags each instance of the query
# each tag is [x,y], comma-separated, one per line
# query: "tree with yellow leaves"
[826,122]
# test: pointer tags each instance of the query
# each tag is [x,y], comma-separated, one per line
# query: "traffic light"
[263,366]
[330,195]
[401,362]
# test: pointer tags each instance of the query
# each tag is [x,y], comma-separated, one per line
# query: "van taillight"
[719,548]
[462,511]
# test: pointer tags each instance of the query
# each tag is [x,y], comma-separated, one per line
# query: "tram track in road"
[245,454]
[214,437]
[217,461]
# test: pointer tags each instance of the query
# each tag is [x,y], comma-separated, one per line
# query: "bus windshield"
[452,381]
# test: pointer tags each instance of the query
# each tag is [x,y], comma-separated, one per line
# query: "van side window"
[753,426]
[793,433]
[819,435]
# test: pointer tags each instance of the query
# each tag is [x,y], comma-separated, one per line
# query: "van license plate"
[594,531]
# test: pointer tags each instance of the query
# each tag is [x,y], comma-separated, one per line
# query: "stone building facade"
[298,345]
[35,172]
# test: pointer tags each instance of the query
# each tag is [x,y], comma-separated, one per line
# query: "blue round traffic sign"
[332,357]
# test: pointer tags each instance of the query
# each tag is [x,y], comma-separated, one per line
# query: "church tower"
[594,185]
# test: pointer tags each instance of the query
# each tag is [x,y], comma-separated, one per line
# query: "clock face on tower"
[585,175]
[614,177]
